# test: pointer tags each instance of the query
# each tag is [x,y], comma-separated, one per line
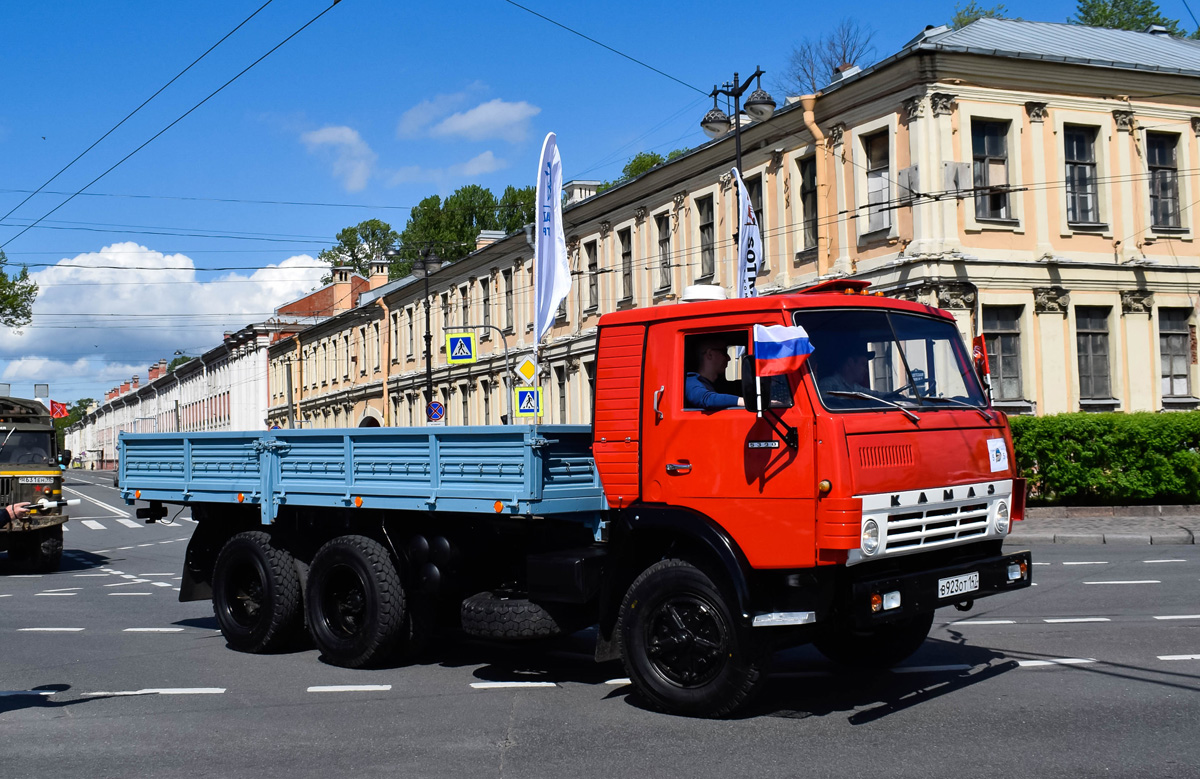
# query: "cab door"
[728,464]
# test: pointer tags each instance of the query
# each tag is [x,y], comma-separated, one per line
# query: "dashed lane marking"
[91,523]
[619,682]
[49,630]
[927,669]
[122,584]
[1131,581]
[1164,561]
[20,693]
[79,575]
[984,622]
[1179,657]
[161,584]
[1057,661]
[152,630]
[1041,563]
[1064,620]
[1180,616]
[55,593]
[350,688]
[1088,562]
[159,691]
[64,589]
[157,574]
[506,685]
[129,593]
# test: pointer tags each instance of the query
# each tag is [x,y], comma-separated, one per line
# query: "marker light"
[358,501]
[241,497]
[870,537]
[824,486]
[498,506]
[137,493]
[876,602]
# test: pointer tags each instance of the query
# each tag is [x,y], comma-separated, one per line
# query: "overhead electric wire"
[134,111]
[211,95]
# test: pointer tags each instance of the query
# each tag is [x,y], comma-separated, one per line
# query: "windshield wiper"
[910,414]
[10,432]
[982,412]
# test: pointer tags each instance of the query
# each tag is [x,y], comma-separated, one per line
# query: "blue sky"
[377,104]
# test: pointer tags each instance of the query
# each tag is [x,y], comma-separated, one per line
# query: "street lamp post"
[426,264]
[760,106]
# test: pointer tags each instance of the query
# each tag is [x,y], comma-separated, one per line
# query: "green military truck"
[30,471]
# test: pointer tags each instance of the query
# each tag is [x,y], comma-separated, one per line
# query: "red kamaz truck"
[840,503]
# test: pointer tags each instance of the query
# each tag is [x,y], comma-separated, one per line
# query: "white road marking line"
[1059,661]
[16,693]
[505,685]
[64,589]
[6,595]
[160,691]
[54,593]
[161,584]
[1089,562]
[1041,563]
[152,630]
[113,572]
[984,622]
[921,669]
[90,574]
[1180,616]
[141,545]
[1064,620]
[129,593]
[1179,657]
[1164,561]
[123,548]
[26,576]
[93,524]
[618,682]
[101,551]
[128,576]
[49,630]
[155,574]
[122,584]
[129,523]
[89,499]
[350,688]
[1132,581]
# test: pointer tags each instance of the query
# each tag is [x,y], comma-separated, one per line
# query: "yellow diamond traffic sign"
[527,369]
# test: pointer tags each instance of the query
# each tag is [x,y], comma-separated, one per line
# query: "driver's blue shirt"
[699,392]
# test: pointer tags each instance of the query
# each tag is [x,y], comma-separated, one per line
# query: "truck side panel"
[617,429]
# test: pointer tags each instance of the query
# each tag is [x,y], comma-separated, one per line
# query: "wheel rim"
[249,591]
[687,640]
[344,602]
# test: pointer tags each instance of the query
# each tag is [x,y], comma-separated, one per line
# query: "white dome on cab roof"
[700,292]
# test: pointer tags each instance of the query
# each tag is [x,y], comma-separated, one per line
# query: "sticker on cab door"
[997,454]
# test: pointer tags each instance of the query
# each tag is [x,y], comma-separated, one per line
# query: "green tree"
[1134,15]
[516,208]
[641,163]
[175,363]
[17,294]
[972,11]
[469,210]
[426,227]
[358,245]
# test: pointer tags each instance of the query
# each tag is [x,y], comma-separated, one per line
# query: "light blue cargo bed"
[544,470]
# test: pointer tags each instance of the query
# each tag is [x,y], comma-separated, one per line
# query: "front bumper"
[919,590]
[33,522]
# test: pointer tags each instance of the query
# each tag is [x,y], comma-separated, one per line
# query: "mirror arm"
[789,435]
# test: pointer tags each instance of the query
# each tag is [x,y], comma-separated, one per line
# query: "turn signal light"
[241,497]
[824,486]
[358,501]
[137,493]
[498,506]
[876,602]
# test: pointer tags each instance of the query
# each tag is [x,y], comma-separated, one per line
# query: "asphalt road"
[103,673]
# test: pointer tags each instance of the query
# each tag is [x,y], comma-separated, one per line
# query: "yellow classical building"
[1034,179]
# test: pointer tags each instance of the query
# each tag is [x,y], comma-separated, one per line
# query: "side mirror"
[749,383]
[64,456]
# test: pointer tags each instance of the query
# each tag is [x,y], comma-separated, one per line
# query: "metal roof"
[1071,43]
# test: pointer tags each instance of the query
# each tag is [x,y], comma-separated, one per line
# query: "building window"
[626,238]
[412,332]
[1164,178]
[1091,340]
[445,319]
[485,296]
[375,339]
[509,324]
[1175,348]
[808,201]
[1080,152]
[560,379]
[1002,333]
[708,251]
[362,351]
[989,144]
[464,294]
[466,404]
[593,270]
[346,356]
[879,216]
[485,389]
[663,223]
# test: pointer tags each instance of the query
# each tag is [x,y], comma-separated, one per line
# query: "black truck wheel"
[256,593]
[355,602]
[880,647]
[507,617]
[682,646]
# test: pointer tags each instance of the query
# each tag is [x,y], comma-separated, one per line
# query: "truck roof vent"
[700,292]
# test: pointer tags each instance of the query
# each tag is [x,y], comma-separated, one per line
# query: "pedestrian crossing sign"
[528,401]
[460,348]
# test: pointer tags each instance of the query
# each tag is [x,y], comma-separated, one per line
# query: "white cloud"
[479,165]
[416,121]
[493,119]
[104,316]
[353,160]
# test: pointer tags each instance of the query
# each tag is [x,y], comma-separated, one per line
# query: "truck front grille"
[6,484]
[935,527]
[886,456]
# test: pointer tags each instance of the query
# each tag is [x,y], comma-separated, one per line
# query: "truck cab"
[30,472]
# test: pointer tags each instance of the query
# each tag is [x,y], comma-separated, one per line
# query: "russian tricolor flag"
[780,350]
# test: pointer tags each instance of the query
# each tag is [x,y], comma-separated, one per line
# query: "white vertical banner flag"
[551,271]
[750,251]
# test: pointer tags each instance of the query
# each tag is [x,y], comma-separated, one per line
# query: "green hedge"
[1109,459]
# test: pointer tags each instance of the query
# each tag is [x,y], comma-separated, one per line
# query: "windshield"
[26,447]
[872,359]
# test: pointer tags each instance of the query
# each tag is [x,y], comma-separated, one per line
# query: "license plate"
[957,585]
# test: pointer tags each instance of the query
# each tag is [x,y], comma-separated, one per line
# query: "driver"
[700,388]
[851,373]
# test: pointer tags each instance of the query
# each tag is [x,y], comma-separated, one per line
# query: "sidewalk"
[1166,525]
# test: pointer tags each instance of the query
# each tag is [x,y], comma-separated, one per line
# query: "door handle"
[657,395]
[679,468]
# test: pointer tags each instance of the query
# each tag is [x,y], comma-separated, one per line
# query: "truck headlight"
[870,536]
[1002,518]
